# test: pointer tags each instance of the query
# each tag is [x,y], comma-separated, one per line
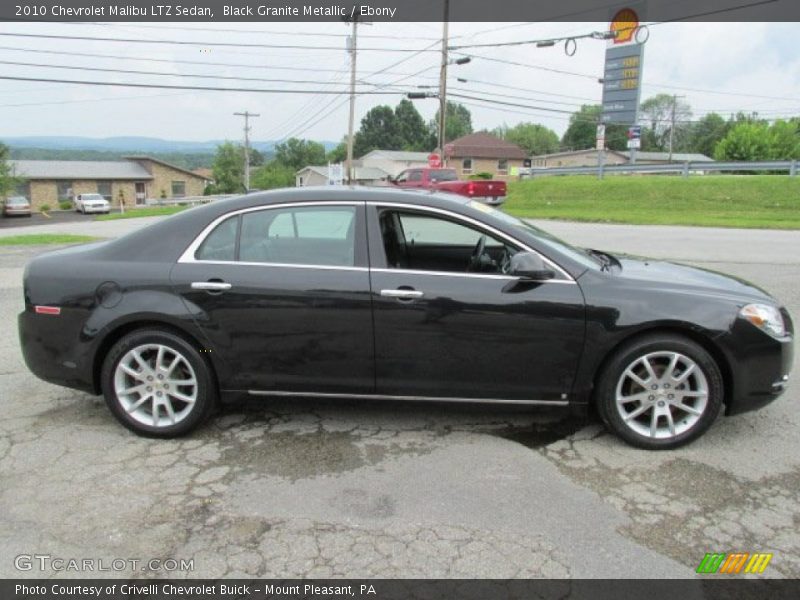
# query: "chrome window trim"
[188,255]
[480,225]
[282,394]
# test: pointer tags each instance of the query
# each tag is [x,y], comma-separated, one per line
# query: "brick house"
[485,153]
[136,179]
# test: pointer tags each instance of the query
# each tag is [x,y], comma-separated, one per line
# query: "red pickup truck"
[446,180]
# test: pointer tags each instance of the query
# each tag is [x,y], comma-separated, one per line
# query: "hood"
[679,276]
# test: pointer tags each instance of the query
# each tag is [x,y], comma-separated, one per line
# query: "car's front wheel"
[660,392]
[157,384]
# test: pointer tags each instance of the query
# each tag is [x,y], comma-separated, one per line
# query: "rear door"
[442,331]
[282,294]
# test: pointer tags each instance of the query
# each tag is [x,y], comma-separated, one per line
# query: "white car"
[91,203]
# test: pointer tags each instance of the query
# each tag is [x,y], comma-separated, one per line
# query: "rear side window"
[310,235]
[220,243]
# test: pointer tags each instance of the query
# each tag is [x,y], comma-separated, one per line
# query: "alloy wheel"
[155,385]
[661,395]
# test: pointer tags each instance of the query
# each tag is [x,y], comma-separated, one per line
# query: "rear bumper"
[17,212]
[761,367]
[52,357]
[490,200]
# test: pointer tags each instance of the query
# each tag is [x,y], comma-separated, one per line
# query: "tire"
[665,406]
[158,398]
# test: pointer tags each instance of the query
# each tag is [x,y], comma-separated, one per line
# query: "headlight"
[765,317]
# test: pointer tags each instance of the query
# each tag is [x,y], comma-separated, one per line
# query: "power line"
[188,43]
[176,61]
[190,87]
[528,66]
[503,103]
[160,74]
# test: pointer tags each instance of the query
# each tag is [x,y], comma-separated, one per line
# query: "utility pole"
[672,123]
[246,115]
[443,81]
[350,125]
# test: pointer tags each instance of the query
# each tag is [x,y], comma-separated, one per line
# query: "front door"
[282,295]
[449,324]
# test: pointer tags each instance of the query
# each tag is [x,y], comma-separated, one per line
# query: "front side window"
[424,242]
[313,235]
[178,189]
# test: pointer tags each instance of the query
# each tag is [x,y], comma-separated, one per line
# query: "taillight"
[48,310]
[471,188]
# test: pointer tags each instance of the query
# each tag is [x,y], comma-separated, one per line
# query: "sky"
[721,67]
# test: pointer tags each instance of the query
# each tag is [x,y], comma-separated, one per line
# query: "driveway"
[306,488]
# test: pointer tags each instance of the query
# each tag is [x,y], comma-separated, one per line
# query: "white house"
[394,161]
[312,175]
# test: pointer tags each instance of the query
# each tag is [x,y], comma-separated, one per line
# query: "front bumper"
[99,208]
[17,212]
[760,369]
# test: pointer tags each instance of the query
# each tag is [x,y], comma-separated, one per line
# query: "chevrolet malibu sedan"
[391,295]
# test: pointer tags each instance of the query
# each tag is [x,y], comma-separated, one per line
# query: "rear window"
[16,201]
[444,175]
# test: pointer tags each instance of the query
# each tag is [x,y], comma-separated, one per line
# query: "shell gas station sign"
[622,77]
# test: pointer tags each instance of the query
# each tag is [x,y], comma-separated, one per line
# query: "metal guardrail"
[791,166]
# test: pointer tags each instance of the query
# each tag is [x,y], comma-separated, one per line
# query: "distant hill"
[187,160]
[129,144]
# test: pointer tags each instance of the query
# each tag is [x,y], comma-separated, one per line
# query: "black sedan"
[386,295]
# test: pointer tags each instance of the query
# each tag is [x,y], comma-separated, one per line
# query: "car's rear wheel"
[157,384]
[660,392]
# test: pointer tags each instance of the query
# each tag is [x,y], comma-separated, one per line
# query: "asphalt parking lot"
[302,488]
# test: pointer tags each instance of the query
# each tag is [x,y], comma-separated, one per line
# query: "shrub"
[65,205]
[481,175]
[44,208]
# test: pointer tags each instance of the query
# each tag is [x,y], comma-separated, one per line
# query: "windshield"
[443,175]
[92,197]
[16,200]
[548,239]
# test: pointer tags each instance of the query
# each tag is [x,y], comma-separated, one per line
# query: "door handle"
[211,286]
[402,294]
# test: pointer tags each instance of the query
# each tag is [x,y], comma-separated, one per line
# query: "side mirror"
[530,266]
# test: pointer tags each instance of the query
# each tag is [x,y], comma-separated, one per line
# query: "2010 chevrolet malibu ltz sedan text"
[383,294]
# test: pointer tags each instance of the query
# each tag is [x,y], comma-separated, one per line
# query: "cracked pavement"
[310,488]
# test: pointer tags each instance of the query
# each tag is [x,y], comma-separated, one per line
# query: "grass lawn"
[135,213]
[44,238]
[749,201]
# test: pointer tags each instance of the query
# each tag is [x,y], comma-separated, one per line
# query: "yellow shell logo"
[624,24]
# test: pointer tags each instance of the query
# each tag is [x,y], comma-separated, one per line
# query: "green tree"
[581,133]
[7,180]
[256,158]
[411,129]
[271,176]
[533,138]
[339,153]
[296,154]
[228,169]
[656,114]
[378,130]
[745,142]
[707,133]
[457,124]
[784,140]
